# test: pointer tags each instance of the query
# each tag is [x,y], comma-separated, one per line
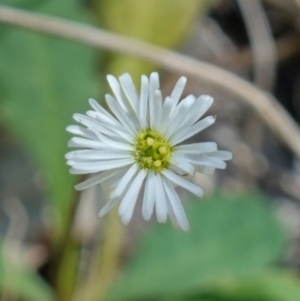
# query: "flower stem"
[107,260]
[111,251]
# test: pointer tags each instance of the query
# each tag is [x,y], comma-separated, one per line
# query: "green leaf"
[19,281]
[229,237]
[24,4]
[266,286]
[43,81]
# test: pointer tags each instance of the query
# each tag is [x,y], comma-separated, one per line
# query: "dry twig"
[287,47]
[267,108]
[261,41]
[264,61]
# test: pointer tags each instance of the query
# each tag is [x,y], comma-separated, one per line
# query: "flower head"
[140,142]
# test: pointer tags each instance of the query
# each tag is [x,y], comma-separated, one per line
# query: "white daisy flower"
[140,142]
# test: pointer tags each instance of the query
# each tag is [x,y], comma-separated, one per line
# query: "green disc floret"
[152,151]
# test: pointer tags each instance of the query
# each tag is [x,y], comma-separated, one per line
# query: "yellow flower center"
[152,151]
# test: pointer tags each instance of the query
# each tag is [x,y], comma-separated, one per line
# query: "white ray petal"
[72,162]
[102,112]
[145,197]
[104,165]
[149,196]
[180,112]
[112,129]
[130,92]
[127,215]
[115,131]
[177,91]
[77,171]
[172,197]
[154,81]
[199,107]
[206,170]
[113,144]
[111,183]
[93,124]
[223,155]
[160,200]
[119,133]
[144,101]
[151,112]
[153,86]
[95,180]
[97,155]
[196,148]
[103,119]
[188,132]
[182,166]
[171,214]
[180,181]
[165,115]
[157,108]
[88,121]
[108,120]
[125,181]
[109,156]
[206,160]
[116,88]
[127,119]
[96,106]
[82,142]
[80,131]
[108,206]
[130,197]
[183,106]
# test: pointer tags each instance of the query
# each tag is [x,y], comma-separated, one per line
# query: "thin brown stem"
[262,43]
[270,111]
